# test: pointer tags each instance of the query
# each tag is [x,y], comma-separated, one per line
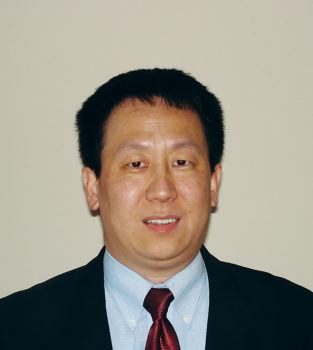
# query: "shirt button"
[131,323]
[187,318]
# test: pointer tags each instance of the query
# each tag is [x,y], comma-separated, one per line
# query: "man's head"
[151,142]
[174,87]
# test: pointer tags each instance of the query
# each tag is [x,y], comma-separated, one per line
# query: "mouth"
[161,223]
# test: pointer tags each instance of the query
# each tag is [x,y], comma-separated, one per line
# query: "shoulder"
[266,286]
[276,304]
[61,285]
[273,304]
[252,281]
[47,290]
[51,301]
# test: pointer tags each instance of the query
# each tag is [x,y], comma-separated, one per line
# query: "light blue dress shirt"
[129,322]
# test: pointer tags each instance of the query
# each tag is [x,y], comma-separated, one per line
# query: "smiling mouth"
[161,224]
[160,221]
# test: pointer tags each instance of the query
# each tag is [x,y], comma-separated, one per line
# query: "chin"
[168,253]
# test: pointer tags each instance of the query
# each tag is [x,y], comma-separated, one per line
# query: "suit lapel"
[229,322]
[90,319]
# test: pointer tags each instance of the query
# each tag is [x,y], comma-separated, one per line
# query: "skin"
[155,164]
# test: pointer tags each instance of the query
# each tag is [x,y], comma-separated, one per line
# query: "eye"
[182,163]
[136,165]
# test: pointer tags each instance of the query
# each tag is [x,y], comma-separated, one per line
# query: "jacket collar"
[229,321]
[90,318]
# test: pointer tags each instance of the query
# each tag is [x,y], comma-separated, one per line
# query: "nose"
[162,187]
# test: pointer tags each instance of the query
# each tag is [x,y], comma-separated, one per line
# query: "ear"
[215,184]
[90,182]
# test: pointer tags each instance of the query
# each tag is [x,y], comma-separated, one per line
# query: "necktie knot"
[157,302]
[162,335]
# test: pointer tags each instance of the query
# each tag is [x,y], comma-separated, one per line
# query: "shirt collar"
[128,289]
[187,287]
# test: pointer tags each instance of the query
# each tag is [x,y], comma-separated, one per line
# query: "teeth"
[161,222]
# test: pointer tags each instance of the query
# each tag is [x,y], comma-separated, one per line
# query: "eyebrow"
[143,146]
[186,144]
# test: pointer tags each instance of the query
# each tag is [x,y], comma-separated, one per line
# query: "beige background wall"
[255,55]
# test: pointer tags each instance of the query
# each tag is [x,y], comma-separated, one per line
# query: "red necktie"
[162,335]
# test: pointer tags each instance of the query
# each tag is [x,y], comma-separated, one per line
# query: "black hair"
[175,88]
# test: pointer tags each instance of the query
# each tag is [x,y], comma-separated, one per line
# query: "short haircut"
[174,87]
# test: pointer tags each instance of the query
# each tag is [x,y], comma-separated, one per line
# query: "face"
[155,190]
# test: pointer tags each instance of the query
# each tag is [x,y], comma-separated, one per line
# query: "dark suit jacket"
[248,310]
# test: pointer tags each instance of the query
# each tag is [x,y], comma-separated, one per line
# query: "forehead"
[135,119]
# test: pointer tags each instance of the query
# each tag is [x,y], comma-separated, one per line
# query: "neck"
[155,269]
[157,272]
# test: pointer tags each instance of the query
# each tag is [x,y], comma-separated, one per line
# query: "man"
[151,142]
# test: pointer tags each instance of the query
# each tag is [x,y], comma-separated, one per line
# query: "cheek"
[119,194]
[196,194]
[195,190]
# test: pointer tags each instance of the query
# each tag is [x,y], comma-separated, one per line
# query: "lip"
[161,228]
